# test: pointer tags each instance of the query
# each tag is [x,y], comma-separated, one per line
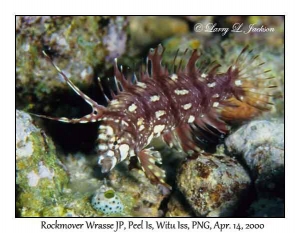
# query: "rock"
[24,127]
[146,30]
[271,208]
[204,20]
[40,176]
[213,184]
[139,196]
[178,206]
[260,144]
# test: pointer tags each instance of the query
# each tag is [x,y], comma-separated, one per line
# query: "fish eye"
[115,142]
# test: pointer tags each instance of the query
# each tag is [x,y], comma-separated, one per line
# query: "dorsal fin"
[97,110]
[155,56]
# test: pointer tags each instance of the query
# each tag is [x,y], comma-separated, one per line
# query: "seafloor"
[56,163]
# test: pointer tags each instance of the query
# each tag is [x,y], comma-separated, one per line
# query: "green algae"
[33,198]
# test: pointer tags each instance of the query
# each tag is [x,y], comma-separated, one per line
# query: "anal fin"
[203,134]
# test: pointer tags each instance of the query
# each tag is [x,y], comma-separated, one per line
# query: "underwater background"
[56,163]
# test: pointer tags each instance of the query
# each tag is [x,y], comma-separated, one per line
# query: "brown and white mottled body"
[187,108]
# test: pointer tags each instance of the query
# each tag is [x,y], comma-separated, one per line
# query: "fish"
[190,108]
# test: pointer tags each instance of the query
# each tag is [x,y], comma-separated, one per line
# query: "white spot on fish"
[159,113]
[113,162]
[63,119]
[154,98]
[187,106]
[215,104]
[158,129]
[111,146]
[102,137]
[114,102]
[102,147]
[142,127]
[132,108]
[203,75]
[140,121]
[151,160]
[157,174]
[174,77]
[238,82]
[124,123]
[131,153]
[181,92]
[112,139]
[109,130]
[191,119]
[83,121]
[150,138]
[211,85]
[142,85]
[110,153]
[124,149]
[216,96]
